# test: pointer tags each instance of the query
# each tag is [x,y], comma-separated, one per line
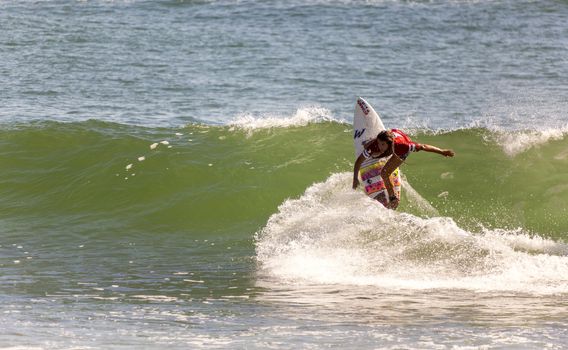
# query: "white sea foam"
[334,235]
[514,143]
[302,117]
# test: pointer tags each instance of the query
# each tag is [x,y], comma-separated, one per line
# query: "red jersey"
[403,145]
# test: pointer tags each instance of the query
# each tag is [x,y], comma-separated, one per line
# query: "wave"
[231,178]
[333,235]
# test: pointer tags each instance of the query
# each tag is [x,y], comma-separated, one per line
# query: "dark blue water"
[439,63]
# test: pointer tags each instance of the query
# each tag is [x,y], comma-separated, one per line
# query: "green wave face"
[105,178]
[502,180]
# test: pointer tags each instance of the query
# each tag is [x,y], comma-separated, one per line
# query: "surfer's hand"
[355,183]
[393,204]
[448,153]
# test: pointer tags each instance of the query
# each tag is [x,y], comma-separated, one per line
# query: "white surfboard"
[366,126]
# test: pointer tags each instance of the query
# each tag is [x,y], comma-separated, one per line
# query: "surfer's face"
[383,146]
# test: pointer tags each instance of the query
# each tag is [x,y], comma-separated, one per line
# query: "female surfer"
[396,143]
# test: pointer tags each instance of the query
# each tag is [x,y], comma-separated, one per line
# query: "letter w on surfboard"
[366,126]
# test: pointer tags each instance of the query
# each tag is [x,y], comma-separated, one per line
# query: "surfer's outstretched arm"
[434,149]
[356,168]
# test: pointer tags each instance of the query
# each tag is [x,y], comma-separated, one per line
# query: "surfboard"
[366,125]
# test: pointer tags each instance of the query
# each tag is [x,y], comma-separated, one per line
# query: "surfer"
[399,145]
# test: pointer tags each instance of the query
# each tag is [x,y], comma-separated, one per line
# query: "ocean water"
[177,174]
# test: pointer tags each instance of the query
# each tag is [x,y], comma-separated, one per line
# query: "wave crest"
[514,143]
[302,117]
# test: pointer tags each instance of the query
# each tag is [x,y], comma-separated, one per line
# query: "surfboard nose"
[363,105]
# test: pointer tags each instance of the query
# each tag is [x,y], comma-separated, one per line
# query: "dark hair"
[388,137]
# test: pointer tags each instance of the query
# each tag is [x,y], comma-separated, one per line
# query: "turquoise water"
[177,174]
